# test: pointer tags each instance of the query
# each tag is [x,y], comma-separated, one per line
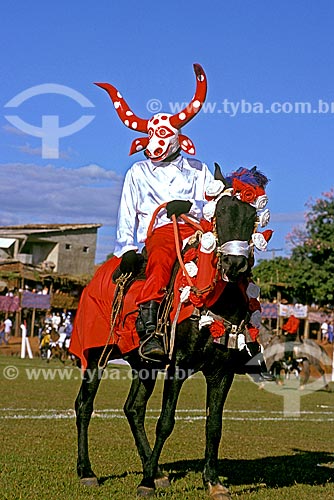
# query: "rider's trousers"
[161,254]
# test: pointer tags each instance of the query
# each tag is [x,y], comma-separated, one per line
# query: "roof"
[44,228]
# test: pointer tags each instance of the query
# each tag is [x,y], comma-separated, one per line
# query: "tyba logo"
[50,132]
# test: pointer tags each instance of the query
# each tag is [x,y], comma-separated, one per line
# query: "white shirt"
[8,325]
[149,184]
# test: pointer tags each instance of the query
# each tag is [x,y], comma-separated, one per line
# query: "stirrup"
[144,342]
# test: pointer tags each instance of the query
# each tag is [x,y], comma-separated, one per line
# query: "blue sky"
[262,58]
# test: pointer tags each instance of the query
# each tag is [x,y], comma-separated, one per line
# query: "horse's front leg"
[84,409]
[217,390]
[164,428]
[135,410]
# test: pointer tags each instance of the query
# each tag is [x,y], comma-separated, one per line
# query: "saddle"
[131,284]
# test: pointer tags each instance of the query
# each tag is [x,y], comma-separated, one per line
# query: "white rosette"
[264,217]
[191,268]
[255,319]
[259,241]
[253,291]
[215,188]
[241,341]
[208,242]
[205,320]
[209,210]
[185,292]
[261,202]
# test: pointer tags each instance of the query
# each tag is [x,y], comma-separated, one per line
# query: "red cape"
[92,322]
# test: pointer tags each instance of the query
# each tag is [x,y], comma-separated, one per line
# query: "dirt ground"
[14,347]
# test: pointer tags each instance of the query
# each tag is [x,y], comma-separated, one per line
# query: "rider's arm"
[127,217]
[204,178]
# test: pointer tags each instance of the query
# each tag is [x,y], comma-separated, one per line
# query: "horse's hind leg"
[305,374]
[323,375]
[135,410]
[84,410]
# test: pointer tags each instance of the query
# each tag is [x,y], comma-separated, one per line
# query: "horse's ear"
[219,176]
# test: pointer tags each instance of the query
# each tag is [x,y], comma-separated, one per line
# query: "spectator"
[291,329]
[56,321]
[2,333]
[8,329]
[330,332]
[324,332]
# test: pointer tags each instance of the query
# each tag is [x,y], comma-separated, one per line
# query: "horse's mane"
[253,177]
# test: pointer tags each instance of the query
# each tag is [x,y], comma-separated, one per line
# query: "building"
[47,265]
[58,248]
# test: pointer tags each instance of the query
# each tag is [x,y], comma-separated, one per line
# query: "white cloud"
[27,149]
[47,194]
[12,130]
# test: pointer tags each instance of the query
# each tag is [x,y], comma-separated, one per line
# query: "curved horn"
[124,112]
[184,116]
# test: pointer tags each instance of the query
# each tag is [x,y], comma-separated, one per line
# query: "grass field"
[265,454]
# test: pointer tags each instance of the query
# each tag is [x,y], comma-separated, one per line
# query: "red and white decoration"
[164,137]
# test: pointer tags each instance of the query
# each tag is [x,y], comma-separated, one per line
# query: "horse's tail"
[316,353]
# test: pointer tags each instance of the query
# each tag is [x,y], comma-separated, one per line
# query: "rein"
[115,309]
[187,220]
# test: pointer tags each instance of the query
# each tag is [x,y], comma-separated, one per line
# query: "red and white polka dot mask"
[164,137]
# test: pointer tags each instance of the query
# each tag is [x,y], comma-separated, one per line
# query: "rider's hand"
[130,262]
[178,207]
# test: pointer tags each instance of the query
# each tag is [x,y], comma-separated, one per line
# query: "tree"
[273,276]
[309,273]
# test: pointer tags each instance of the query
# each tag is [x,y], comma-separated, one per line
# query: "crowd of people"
[55,334]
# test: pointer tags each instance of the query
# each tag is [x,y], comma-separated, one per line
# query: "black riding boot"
[150,345]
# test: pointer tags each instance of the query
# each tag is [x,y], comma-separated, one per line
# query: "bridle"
[235,247]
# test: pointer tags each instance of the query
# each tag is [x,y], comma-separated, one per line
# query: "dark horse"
[306,354]
[195,350]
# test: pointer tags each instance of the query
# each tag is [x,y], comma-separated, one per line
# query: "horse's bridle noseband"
[235,247]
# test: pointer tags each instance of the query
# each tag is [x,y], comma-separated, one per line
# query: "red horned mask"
[163,129]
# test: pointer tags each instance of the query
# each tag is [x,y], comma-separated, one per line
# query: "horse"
[306,353]
[195,350]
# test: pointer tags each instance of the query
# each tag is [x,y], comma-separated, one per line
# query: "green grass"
[263,455]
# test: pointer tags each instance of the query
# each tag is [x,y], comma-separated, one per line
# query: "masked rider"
[166,176]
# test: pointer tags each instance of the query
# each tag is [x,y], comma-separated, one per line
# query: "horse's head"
[235,223]
[236,220]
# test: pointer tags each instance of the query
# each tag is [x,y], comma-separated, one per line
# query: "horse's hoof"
[145,492]
[89,481]
[162,482]
[219,492]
